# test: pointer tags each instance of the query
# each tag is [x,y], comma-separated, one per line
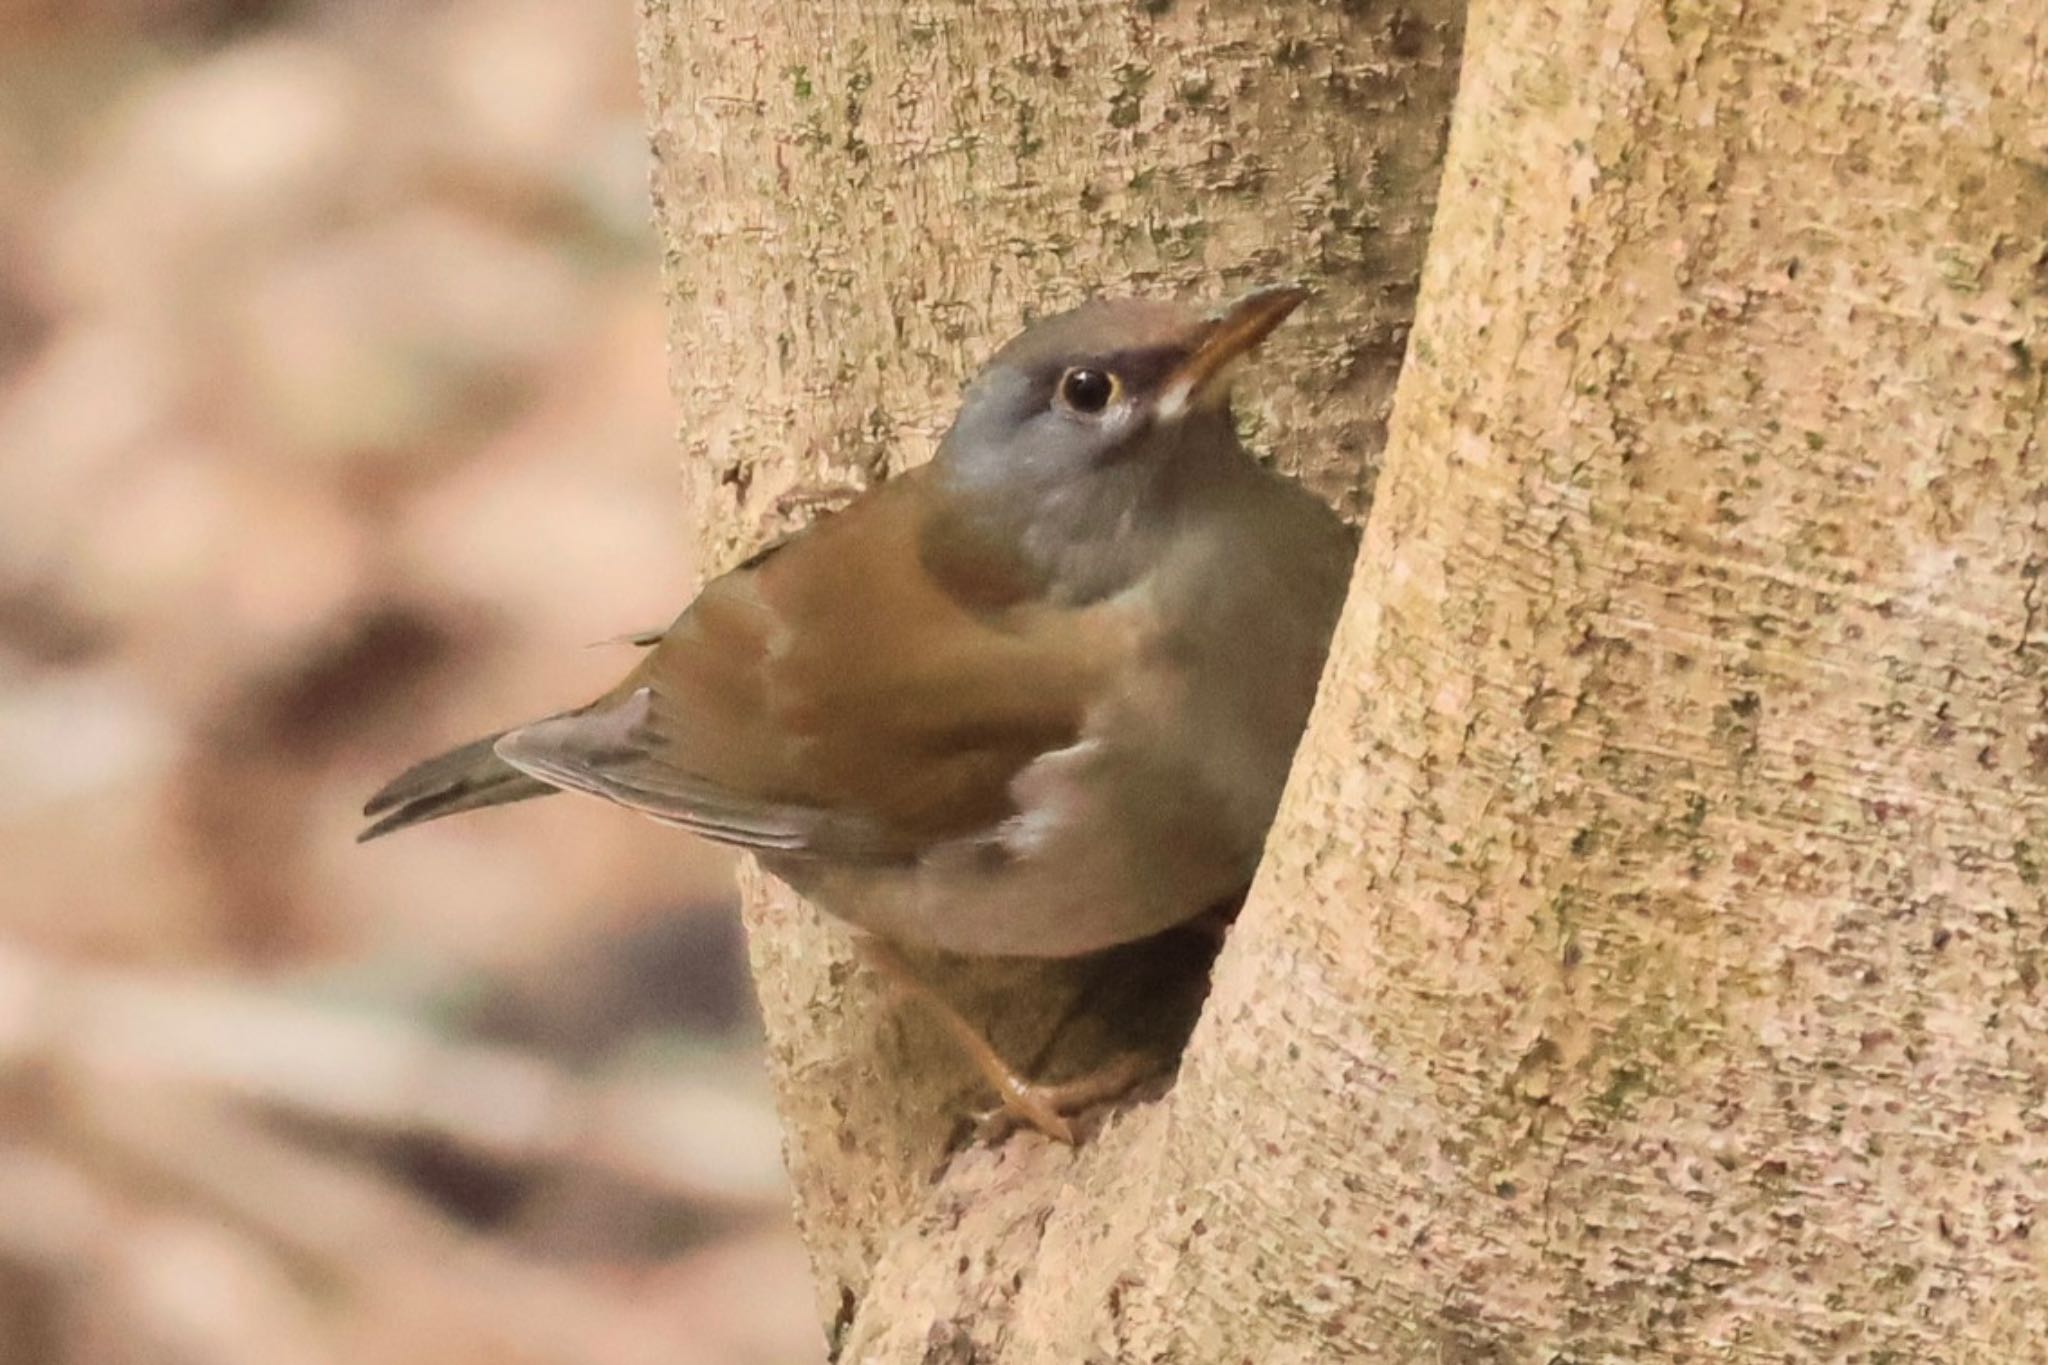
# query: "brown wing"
[868,689]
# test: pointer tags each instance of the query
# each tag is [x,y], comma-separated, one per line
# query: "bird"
[1036,697]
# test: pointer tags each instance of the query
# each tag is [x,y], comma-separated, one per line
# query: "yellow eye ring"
[1088,391]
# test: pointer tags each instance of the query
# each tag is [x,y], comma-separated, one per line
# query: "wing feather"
[838,698]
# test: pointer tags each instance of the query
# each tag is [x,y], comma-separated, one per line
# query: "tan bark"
[1647,962]
[858,204]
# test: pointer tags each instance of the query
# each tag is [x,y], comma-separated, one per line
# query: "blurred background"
[334,430]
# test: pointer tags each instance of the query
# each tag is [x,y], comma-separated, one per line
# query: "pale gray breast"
[1255,603]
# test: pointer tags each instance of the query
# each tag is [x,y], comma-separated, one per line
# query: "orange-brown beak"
[1203,377]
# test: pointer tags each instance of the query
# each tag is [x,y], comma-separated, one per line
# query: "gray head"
[1081,438]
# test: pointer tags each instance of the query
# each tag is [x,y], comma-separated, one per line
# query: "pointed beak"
[1204,377]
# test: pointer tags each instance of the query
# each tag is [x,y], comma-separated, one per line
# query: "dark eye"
[1088,391]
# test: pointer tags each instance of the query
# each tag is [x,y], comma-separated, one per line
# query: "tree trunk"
[1647,961]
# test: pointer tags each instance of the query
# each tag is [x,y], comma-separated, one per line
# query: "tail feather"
[467,778]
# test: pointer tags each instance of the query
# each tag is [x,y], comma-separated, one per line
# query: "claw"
[1105,1083]
[1043,1107]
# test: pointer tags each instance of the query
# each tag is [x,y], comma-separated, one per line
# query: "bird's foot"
[1023,1101]
[1048,1108]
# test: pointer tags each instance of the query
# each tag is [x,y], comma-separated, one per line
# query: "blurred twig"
[685,1137]
[344,1222]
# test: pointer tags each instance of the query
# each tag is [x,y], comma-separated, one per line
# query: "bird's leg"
[1036,1105]
[1107,1082]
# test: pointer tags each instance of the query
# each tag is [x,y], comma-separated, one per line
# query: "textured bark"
[859,203]
[1647,962]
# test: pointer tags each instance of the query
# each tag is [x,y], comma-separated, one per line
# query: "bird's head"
[1094,426]
[1110,383]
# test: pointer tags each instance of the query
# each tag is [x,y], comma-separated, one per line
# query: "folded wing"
[856,694]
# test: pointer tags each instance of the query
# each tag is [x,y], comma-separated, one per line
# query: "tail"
[468,778]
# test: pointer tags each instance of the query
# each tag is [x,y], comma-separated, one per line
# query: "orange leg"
[1115,1077]
[1044,1107]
